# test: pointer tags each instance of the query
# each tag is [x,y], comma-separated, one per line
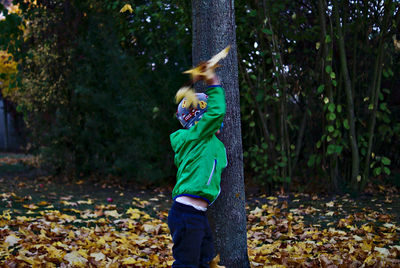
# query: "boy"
[200,157]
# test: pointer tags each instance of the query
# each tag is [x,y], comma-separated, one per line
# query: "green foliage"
[288,35]
[97,86]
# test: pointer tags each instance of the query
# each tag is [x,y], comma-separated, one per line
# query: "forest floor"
[100,223]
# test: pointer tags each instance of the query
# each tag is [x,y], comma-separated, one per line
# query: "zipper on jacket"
[212,172]
[219,192]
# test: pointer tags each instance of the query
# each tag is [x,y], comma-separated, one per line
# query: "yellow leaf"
[126,7]
[154,259]
[25,259]
[330,204]
[112,213]
[67,218]
[53,252]
[351,249]
[43,203]
[87,202]
[130,225]
[71,234]
[370,260]
[101,242]
[135,213]
[367,228]
[83,253]
[207,69]
[216,58]
[196,71]
[129,260]
[366,246]
[43,233]
[188,94]
[31,206]
[215,261]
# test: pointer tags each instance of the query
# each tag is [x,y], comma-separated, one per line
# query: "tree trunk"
[282,85]
[5,124]
[213,30]
[299,142]
[350,102]
[327,81]
[375,91]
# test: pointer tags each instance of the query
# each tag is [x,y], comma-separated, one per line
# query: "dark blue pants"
[191,234]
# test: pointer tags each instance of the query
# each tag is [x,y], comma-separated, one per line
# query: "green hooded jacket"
[199,155]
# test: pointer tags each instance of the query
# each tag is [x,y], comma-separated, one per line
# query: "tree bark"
[282,85]
[375,91]
[213,30]
[5,110]
[326,80]
[350,102]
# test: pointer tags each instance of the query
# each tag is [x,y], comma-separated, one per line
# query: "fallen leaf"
[11,240]
[384,251]
[98,256]
[74,258]
[112,213]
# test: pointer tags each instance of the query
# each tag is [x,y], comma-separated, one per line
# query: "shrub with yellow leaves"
[8,72]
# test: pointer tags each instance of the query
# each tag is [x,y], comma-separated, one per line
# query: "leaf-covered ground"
[56,223]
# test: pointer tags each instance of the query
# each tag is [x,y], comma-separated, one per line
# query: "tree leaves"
[280,234]
[85,230]
[68,230]
[8,72]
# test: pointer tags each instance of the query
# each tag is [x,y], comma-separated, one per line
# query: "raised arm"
[211,121]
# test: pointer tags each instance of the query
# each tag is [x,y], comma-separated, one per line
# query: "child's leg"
[187,230]
[207,247]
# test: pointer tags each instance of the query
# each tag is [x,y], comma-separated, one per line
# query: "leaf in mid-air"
[189,94]
[207,69]
[126,7]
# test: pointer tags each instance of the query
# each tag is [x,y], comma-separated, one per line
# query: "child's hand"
[213,80]
[206,70]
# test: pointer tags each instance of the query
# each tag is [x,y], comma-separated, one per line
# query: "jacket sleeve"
[211,121]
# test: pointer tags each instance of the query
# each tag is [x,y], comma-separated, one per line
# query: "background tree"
[289,53]
[8,71]
[95,86]
[213,30]
[95,82]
